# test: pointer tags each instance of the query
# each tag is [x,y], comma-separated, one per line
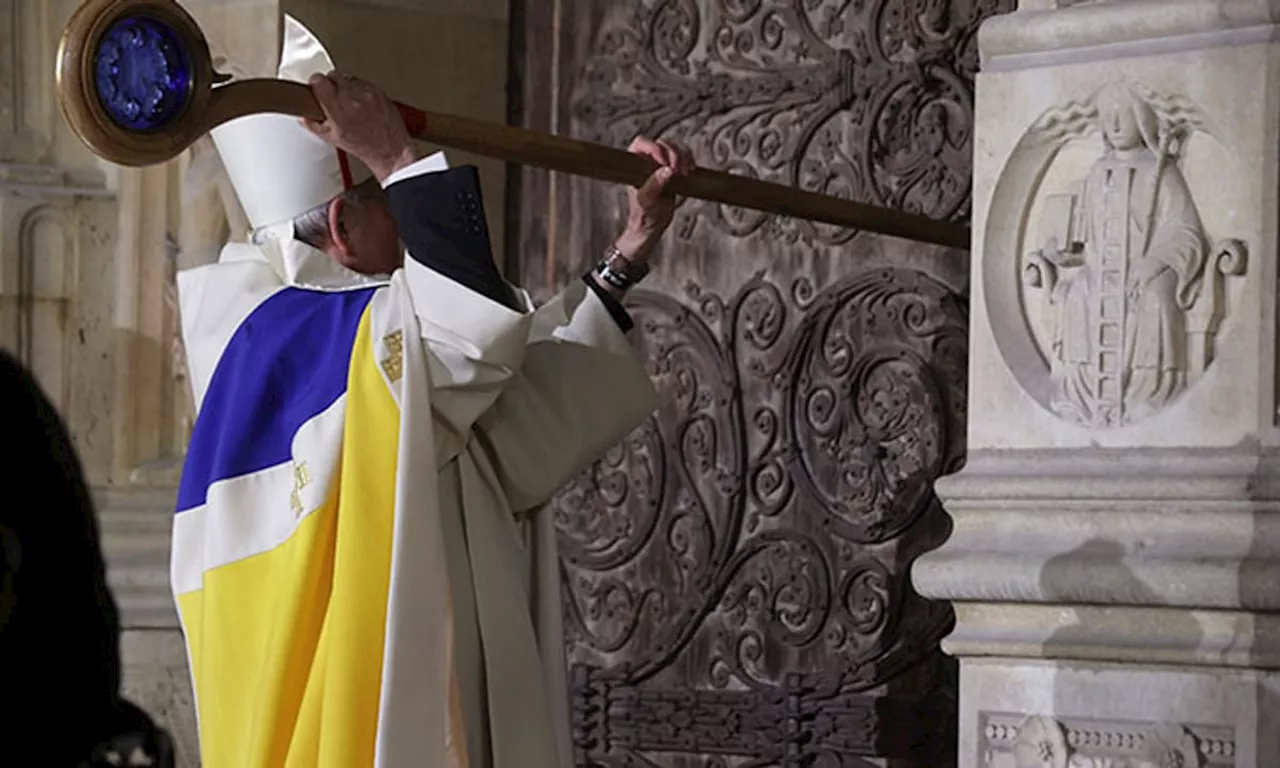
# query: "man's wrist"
[383,169]
[633,247]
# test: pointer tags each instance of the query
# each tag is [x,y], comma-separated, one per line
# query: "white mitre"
[281,170]
[278,167]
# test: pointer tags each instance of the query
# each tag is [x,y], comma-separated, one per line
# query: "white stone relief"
[1125,267]
[1039,741]
[1123,284]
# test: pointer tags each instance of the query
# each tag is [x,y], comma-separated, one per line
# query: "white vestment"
[496,410]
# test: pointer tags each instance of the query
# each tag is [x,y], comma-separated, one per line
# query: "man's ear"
[338,233]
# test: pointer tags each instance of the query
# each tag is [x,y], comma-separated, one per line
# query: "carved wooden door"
[737,588]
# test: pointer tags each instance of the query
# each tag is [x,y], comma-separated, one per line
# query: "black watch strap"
[619,271]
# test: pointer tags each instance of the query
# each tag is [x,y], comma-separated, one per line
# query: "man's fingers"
[318,128]
[673,161]
[679,158]
[684,161]
[654,187]
[664,152]
[323,85]
[660,151]
[648,148]
[641,146]
[325,90]
[670,157]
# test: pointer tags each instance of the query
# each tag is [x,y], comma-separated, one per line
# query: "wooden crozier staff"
[136,82]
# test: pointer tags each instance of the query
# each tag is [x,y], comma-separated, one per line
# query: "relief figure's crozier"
[1127,268]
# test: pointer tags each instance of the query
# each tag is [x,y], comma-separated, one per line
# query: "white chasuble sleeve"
[474,345]
[580,390]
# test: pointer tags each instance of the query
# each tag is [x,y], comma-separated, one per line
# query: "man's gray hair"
[312,227]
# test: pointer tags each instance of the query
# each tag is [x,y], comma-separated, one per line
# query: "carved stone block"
[57,228]
[1127,284]
[1090,715]
[1121,215]
[1039,741]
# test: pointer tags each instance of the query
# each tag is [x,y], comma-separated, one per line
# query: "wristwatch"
[619,271]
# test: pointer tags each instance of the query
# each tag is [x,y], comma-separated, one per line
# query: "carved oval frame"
[1004,234]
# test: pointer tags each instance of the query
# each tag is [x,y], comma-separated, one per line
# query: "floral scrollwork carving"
[755,518]
[870,424]
[869,100]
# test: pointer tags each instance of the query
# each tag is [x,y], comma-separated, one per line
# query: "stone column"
[1114,561]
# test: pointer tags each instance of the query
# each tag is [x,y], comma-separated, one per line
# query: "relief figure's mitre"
[280,169]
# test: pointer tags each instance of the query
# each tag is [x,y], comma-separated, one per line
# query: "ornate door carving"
[737,590]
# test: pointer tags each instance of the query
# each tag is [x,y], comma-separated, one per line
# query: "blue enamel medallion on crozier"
[142,73]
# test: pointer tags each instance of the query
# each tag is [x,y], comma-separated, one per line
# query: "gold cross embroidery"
[393,366]
[301,478]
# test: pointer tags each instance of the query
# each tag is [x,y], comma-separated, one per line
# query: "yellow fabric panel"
[252,631]
[346,694]
[287,646]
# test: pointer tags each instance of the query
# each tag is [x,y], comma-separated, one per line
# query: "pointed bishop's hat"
[280,169]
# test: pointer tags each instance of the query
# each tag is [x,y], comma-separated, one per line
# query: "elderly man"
[371,431]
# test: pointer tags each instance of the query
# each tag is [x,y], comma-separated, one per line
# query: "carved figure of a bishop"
[1128,275]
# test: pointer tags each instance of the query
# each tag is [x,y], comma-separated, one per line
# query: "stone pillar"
[1114,561]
